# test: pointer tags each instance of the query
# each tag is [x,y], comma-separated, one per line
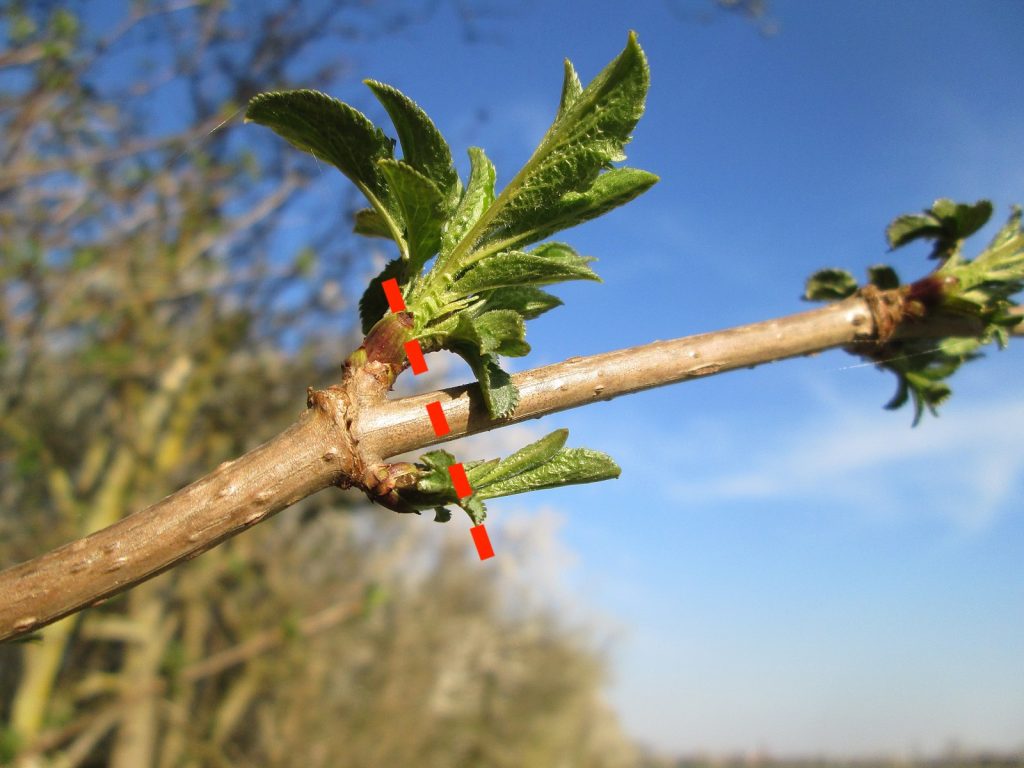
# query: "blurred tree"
[158,315]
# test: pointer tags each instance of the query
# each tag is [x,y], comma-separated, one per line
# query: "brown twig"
[346,425]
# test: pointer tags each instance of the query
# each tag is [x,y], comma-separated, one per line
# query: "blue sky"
[787,566]
[783,565]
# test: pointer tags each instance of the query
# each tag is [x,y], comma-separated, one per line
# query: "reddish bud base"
[437,419]
[394,296]
[415,354]
[482,541]
[460,481]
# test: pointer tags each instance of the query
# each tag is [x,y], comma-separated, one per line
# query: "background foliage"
[152,325]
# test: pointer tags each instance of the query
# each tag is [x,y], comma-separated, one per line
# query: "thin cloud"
[964,467]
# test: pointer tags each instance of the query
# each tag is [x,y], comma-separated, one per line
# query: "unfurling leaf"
[912,226]
[610,190]
[946,222]
[527,458]
[475,200]
[528,301]
[830,285]
[330,130]
[582,142]
[883,277]
[571,89]
[370,223]
[981,289]
[570,466]
[517,268]
[420,203]
[423,146]
[483,285]
[496,385]
[543,464]
[502,332]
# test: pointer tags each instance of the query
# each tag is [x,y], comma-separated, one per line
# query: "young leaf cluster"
[543,464]
[486,280]
[981,288]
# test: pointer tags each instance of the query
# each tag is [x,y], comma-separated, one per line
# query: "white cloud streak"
[964,467]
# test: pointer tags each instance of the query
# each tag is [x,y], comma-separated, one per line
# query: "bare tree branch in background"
[156,308]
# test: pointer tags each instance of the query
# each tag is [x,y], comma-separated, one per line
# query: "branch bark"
[348,425]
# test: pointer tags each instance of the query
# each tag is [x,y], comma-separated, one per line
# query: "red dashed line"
[418,364]
[437,419]
[414,352]
[394,296]
[460,481]
[482,541]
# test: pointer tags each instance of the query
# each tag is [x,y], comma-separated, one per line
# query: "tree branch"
[310,455]
[399,426]
[331,442]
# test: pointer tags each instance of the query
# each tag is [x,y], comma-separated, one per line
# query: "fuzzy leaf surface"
[528,301]
[610,190]
[330,130]
[420,203]
[423,146]
[582,142]
[369,223]
[526,458]
[501,332]
[476,199]
[571,89]
[517,268]
[570,466]
[496,385]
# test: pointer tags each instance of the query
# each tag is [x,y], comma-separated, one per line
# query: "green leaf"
[439,460]
[516,268]
[370,223]
[374,304]
[999,268]
[420,203]
[909,227]
[946,222]
[330,130]
[961,220]
[610,190]
[526,458]
[981,288]
[502,332]
[442,515]
[528,301]
[830,285]
[423,146]
[883,277]
[475,200]
[496,385]
[477,470]
[581,143]
[570,466]
[545,463]
[571,89]
[474,507]
[927,393]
